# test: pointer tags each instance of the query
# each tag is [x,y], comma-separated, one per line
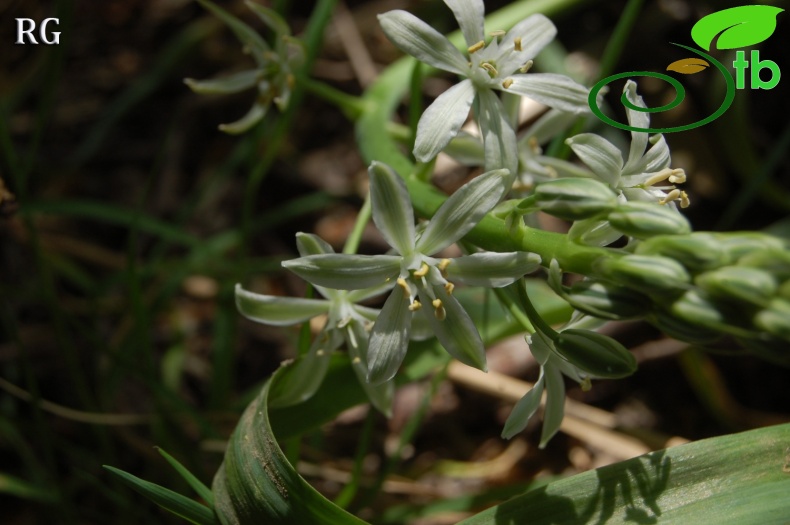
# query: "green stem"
[616,44]
[351,106]
[383,97]
[352,243]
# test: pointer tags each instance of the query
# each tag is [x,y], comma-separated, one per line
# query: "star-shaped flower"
[419,278]
[346,322]
[274,71]
[501,65]
[644,176]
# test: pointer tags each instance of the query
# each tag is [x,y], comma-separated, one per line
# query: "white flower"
[421,282]
[346,322]
[274,72]
[500,65]
[644,176]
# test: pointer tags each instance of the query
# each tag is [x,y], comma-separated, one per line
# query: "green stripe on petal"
[470,16]
[311,244]
[636,119]
[600,155]
[524,410]
[492,269]
[556,91]
[463,210]
[389,338]
[456,332]
[345,272]
[535,31]
[392,210]
[413,36]
[278,311]
[221,86]
[499,139]
[555,404]
[442,120]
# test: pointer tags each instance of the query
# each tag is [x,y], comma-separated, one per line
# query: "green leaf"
[736,27]
[190,510]
[202,490]
[257,485]
[737,479]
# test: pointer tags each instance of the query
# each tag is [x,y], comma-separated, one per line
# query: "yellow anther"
[320,352]
[684,200]
[586,384]
[403,284]
[526,67]
[678,176]
[443,264]
[671,196]
[551,172]
[517,43]
[507,83]
[534,146]
[449,287]
[492,72]
[356,360]
[476,47]
[439,310]
[423,271]
[416,305]
[497,33]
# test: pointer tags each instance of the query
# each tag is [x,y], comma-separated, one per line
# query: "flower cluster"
[274,72]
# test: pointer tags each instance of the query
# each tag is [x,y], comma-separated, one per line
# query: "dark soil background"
[122,236]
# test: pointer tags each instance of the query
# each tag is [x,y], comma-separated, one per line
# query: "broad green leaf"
[736,27]
[189,509]
[740,479]
[257,485]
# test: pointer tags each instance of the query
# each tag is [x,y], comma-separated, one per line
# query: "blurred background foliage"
[127,218]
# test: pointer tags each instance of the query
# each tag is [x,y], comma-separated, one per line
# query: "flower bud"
[597,354]
[775,319]
[738,244]
[682,329]
[738,283]
[697,308]
[651,274]
[776,262]
[572,199]
[645,219]
[697,251]
[606,300]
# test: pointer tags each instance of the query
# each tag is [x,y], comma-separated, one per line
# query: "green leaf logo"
[736,27]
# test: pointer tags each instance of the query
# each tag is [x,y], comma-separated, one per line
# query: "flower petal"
[345,272]
[636,119]
[456,332]
[524,409]
[311,244]
[499,139]
[413,36]
[555,404]
[535,32]
[442,120]
[466,149]
[556,91]
[392,210]
[600,155]
[278,311]
[380,396]
[252,117]
[306,374]
[492,269]
[657,157]
[462,211]
[470,16]
[389,338]
[220,86]
[246,35]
